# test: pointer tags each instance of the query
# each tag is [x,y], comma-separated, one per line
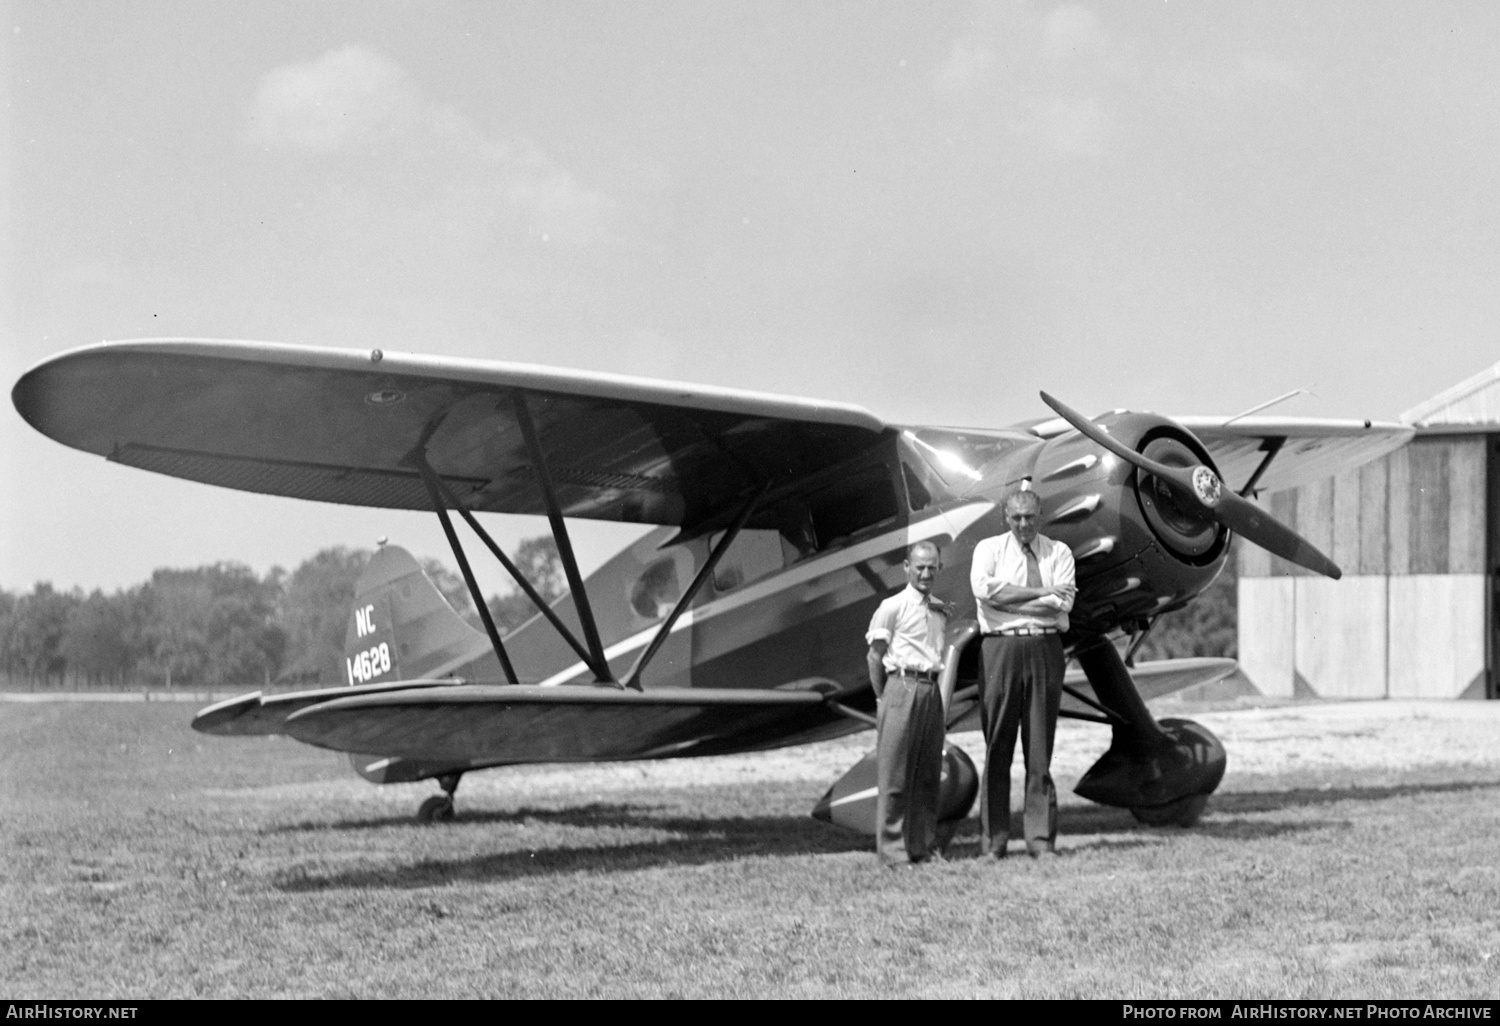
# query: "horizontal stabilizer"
[487,724]
[1153,680]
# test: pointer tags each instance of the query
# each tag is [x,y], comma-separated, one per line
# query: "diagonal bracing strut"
[520,578]
[433,483]
[633,678]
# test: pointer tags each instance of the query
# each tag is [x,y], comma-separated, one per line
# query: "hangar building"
[1417,534]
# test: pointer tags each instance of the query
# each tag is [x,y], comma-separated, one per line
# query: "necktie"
[1033,570]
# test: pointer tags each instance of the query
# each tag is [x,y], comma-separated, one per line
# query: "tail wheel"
[1184,812]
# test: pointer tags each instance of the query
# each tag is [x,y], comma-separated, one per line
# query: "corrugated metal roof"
[1474,400]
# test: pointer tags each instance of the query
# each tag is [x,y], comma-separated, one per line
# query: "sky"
[931,209]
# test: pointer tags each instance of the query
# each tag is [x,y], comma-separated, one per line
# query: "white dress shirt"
[912,630]
[999,561]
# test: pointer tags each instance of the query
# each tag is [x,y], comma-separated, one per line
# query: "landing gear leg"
[439,808]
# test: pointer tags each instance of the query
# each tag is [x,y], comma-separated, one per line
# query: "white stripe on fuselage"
[952,523]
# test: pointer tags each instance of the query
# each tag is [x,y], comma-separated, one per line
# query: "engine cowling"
[1140,550]
[1182,529]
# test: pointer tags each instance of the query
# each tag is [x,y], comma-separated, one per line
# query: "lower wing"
[1152,680]
[487,724]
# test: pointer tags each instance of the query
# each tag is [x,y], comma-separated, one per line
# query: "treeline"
[1208,626]
[220,626]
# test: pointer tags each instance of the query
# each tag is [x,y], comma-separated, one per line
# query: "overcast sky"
[930,209]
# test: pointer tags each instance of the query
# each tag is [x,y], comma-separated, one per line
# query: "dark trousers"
[1022,688]
[909,769]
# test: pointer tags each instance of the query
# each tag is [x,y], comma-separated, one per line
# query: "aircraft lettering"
[364,621]
[369,664]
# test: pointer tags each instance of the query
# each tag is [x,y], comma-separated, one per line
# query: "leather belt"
[930,676]
[1022,632]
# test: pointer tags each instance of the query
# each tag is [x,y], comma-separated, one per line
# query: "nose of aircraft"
[1200,487]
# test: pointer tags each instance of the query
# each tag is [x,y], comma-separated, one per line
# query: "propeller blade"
[1252,523]
[1201,486]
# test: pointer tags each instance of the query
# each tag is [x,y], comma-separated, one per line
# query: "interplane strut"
[597,662]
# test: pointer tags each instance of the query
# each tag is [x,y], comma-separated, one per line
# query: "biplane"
[737,623]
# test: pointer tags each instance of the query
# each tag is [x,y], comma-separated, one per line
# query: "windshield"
[960,456]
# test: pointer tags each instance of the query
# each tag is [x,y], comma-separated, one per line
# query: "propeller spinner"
[1200,487]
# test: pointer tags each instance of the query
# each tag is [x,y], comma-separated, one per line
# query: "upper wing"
[1309,449]
[350,426]
[1305,449]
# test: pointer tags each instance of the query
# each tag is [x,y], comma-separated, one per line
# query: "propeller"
[1201,487]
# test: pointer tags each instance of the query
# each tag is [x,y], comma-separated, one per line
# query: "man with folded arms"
[1023,588]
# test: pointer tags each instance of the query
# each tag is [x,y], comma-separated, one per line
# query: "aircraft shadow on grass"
[700,840]
[696,840]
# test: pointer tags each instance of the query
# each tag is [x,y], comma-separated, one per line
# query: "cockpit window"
[959,457]
[657,590]
[853,503]
[753,554]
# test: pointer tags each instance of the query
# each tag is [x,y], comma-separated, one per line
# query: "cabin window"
[754,553]
[657,590]
[862,499]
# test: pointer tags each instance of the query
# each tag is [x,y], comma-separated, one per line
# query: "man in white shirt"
[1023,587]
[905,661]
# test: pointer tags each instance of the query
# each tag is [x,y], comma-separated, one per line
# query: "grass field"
[1353,851]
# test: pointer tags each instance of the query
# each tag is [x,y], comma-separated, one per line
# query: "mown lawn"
[138,859]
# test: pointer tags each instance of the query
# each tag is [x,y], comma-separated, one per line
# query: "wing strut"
[514,571]
[633,678]
[1107,715]
[1271,446]
[430,478]
[597,662]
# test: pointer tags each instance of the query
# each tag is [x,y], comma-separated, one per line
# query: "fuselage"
[789,602]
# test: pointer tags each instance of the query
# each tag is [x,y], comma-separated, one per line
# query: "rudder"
[401,628]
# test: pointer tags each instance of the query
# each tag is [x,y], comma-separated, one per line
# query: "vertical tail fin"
[401,627]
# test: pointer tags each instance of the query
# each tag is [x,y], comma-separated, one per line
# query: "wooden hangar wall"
[1417,534]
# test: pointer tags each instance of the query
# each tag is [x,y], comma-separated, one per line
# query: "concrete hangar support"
[1418,536]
